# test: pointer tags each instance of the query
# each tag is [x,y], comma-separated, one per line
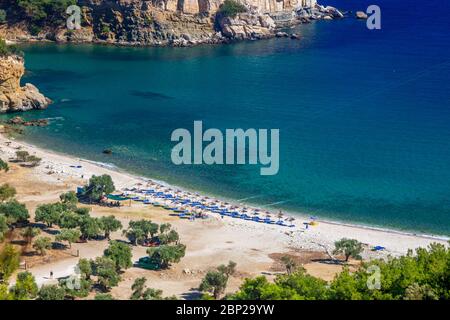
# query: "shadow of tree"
[193,294]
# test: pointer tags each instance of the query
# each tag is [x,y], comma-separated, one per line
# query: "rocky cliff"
[172,22]
[13,97]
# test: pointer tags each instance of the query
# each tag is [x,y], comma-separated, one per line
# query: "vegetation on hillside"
[230,8]
[36,13]
[7,50]
[423,275]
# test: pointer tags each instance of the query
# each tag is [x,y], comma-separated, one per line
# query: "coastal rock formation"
[13,97]
[172,22]
[247,26]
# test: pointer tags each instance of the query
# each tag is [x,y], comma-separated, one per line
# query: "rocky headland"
[14,97]
[166,22]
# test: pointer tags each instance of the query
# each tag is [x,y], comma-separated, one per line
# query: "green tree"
[7,192]
[81,290]
[98,187]
[51,292]
[141,292]
[134,235]
[89,227]
[349,248]
[153,294]
[103,296]
[49,213]
[69,235]
[230,8]
[3,165]
[22,156]
[164,227]
[42,12]
[70,220]
[138,288]
[14,211]
[9,262]
[120,253]
[258,288]
[85,268]
[215,281]
[4,228]
[110,224]
[4,292]
[105,270]
[42,244]
[418,292]
[29,233]
[169,237]
[25,287]
[69,198]
[164,255]
[33,161]
[6,50]
[140,230]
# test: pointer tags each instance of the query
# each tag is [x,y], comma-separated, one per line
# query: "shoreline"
[287,213]
[323,236]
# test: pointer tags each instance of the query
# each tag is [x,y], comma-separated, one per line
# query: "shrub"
[4,166]
[7,50]
[230,8]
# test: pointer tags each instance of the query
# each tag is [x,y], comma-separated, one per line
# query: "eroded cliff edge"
[13,97]
[162,22]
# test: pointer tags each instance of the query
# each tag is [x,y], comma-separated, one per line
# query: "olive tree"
[109,224]
[42,244]
[4,166]
[349,248]
[6,192]
[164,255]
[120,253]
[69,235]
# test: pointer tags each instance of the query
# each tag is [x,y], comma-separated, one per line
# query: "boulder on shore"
[13,97]
[361,15]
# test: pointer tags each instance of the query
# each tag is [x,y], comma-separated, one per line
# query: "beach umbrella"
[280,215]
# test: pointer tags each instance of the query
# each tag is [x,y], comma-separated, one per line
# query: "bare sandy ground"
[211,242]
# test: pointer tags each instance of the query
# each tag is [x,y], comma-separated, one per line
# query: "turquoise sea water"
[363,115]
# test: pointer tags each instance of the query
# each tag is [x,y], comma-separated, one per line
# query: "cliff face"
[13,97]
[174,22]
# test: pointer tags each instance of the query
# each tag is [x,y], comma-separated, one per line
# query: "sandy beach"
[256,247]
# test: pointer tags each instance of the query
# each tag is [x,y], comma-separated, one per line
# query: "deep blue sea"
[364,116]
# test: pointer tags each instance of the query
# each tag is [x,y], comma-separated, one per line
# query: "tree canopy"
[164,255]
[69,235]
[423,274]
[109,224]
[98,187]
[9,261]
[4,166]
[14,211]
[349,248]
[215,281]
[51,292]
[7,192]
[105,270]
[25,287]
[42,244]
[120,253]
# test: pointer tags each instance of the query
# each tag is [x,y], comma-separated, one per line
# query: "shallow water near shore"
[363,115]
